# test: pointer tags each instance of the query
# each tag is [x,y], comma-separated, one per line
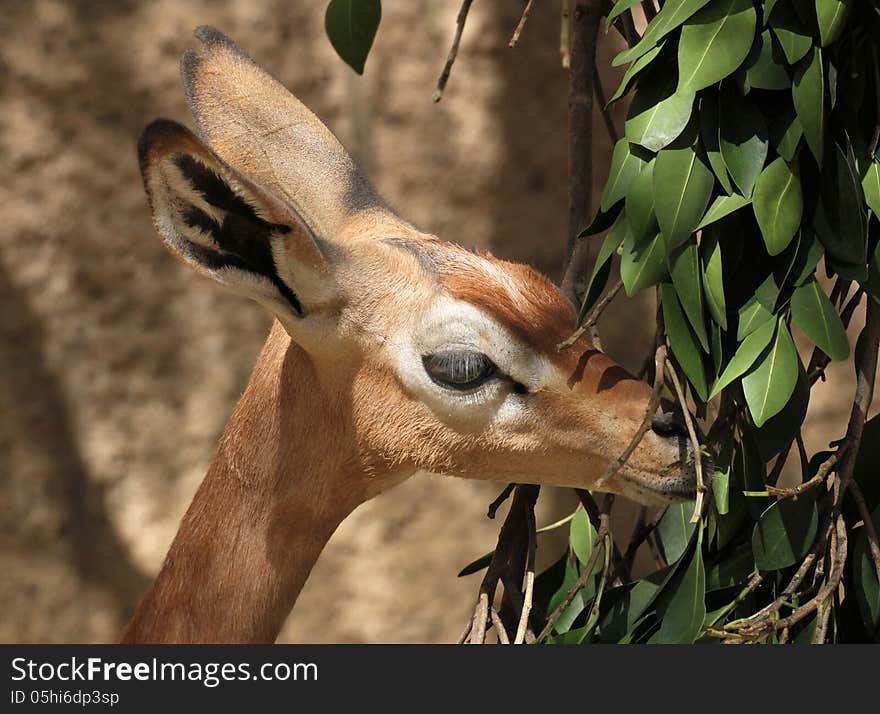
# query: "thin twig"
[584,21]
[692,432]
[502,497]
[660,363]
[819,478]
[481,614]
[819,360]
[530,578]
[603,108]
[453,51]
[866,370]
[594,513]
[873,542]
[581,582]
[464,633]
[592,318]
[872,148]
[521,24]
[565,35]
[499,627]
[823,617]
[593,613]
[641,531]
[506,556]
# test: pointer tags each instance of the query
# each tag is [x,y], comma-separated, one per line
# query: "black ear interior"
[242,238]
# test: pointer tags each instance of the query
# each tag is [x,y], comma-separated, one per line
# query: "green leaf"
[682,189]
[721,477]
[682,617]
[602,221]
[808,93]
[781,430]
[765,67]
[620,7]
[633,70]
[577,605]
[625,166]
[786,132]
[602,267]
[832,16]
[794,40]
[683,342]
[713,276]
[642,265]
[750,472]
[785,532]
[778,205]
[674,531]
[723,206]
[868,462]
[629,602]
[871,187]
[770,383]
[709,137]
[672,14]
[640,206]
[768,293]
[729,525]
[746,354]
[581,536]
[816,316]
[743,139]
[840,221]
[751,316]
[809,254]
[716,348]
[866,584]
[657,116]
[714,42]
[731,572]
[351,26]
[805,636]
[684,267]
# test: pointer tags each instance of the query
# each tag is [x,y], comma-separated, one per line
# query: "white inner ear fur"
[456,325]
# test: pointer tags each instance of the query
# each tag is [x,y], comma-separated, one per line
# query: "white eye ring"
[459,370]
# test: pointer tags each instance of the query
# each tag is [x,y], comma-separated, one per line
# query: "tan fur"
[327,422]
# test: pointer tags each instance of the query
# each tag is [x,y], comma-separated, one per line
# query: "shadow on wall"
[36,416]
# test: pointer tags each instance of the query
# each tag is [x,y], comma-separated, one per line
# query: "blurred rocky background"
[119,367]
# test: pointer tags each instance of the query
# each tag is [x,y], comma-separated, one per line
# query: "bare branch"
[584,25]
[453,51]
[502,497]
[592,319]
[521,24]
[819,478]
[581,582]
[873,542]
[692,432]
[499,627]
[606,116]
[530,577]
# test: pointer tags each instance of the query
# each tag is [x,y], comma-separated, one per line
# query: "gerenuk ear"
[260,129]
[223,225]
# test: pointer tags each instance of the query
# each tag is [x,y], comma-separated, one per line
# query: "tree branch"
[584,27]
[453,51]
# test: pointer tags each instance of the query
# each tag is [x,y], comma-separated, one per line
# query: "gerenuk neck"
[270,501]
